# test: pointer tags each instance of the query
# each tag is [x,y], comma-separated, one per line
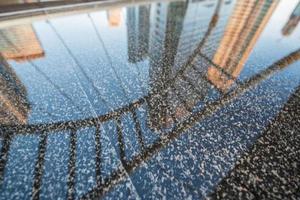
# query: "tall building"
[138,30]
[20,43]
[242,31]
[293,21]
[14,106]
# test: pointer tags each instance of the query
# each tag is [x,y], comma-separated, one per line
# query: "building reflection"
[179,47]
[166,26]
[138,23]
[20,43]
[169,34]
[175,28]
[114,17]
[292,22]
[14,107]
[177,73]
[242,31]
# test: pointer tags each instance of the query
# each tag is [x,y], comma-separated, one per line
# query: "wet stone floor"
[151,100]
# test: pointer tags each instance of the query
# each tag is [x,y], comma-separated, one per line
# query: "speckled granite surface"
[150,100]
[270,170]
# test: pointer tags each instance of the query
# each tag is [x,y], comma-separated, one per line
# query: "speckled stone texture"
[150,100]
[271,169]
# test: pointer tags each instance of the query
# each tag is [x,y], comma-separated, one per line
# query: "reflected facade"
[292,22]
[243,29]
[20,43]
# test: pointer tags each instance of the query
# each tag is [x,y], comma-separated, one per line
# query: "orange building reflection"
[114,17]
[20,43]
[248,20]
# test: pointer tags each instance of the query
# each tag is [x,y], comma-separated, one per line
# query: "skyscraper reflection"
[166,26]
[182,53]
[292,22]
[242,31]
[177,69]
[138,23]
[171,35]
[114,17]
[20,43]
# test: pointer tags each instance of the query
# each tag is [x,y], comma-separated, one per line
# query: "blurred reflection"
[14,107]
[114,17]
[20,43]
[138,23]
[244,27]
[192,61]
[293,21]
[166,27]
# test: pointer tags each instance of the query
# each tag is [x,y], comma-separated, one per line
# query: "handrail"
[28,13]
